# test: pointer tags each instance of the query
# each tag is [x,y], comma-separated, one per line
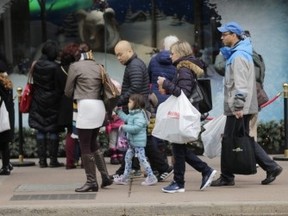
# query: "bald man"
[136,78]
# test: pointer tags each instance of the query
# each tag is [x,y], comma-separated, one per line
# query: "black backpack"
[259,67]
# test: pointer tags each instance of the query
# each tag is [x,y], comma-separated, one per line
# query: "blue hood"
[244,48]
[163,57]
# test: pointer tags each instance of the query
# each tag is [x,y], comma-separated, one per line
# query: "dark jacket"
[6,96]
[65,114]
[161,65]
[188,69]
[43,114]
[135,80]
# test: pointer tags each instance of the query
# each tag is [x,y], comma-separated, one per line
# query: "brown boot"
[90,170]
[101,166]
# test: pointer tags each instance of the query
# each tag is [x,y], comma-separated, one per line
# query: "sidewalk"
[30,191]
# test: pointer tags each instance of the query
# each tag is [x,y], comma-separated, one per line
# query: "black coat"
[188,69]
[66,104]
[7,97]
[135,80]
[43,114]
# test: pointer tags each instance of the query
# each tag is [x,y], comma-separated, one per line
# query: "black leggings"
[88,140]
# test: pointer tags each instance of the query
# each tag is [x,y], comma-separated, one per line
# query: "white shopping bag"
[4,118]
[212,136]
[177,120]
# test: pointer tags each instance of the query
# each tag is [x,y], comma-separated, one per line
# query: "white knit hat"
[168,41]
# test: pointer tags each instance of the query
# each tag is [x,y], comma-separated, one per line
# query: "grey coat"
[240,83]
[84,80]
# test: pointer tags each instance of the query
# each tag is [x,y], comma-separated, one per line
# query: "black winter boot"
[53,152]
[5,170]
[91,184]
[42,149]
[101,166]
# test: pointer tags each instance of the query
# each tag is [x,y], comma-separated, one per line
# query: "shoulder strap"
[64,71]
[30,73]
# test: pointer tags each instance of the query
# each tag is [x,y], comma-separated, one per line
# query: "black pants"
[5,151]
[157,158]
[182,153]
[262,158]
[88,140]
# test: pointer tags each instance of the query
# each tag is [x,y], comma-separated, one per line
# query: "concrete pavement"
[50,191]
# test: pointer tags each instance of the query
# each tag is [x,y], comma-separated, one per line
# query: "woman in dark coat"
[69,54]
[188,69]
[6,137]
[43,114]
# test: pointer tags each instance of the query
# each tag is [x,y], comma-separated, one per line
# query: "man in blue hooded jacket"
[240,98]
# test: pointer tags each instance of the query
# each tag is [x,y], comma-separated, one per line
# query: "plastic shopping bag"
[177,120]
[212,136]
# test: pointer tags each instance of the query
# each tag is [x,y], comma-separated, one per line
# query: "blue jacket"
[161,65]
[135,126]
[239,82]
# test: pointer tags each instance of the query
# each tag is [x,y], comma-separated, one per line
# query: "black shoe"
[271,176]
[222,182]
[207,179]
[56,164]
[165,175]
[88,187]
[106,182]
[4,171]
[43,164]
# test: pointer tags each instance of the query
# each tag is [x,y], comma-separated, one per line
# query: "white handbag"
[177,120]
[212,136]
[4,118]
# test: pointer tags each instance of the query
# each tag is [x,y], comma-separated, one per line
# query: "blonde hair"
[182,48]
[169,41]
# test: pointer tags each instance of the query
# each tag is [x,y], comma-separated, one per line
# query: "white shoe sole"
[209,181]
[182,190]
[149,184]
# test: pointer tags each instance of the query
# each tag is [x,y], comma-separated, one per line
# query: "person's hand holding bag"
[160,82]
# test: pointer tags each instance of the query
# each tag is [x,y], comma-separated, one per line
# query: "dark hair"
[70,54]
[50,50]
[139,101]
[84,47]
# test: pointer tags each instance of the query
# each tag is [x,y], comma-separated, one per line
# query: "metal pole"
[20,122]
[21,139]
[285,91]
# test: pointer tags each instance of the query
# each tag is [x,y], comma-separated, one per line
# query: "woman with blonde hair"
[188,69]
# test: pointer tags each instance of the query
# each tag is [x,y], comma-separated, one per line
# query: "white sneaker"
[150,180]
[121,180]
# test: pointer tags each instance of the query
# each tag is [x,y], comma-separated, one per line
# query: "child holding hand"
[136,128]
